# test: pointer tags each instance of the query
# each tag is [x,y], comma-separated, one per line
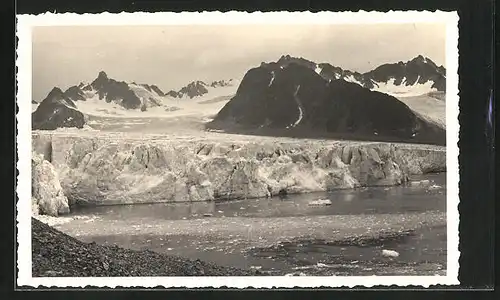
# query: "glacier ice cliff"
[108,169]
[47,196]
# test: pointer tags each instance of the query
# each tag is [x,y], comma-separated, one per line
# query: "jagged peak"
[419,57]
[102,75]
[55,92]
[285,56]
[196,83]
[73,87]
[102,79]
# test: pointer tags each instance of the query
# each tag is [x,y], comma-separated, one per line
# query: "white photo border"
[24,78]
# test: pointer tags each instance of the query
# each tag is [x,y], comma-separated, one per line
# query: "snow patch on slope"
[299,105]
[148,98]
[350,78]
[318,69]
[272,78]
[403,90]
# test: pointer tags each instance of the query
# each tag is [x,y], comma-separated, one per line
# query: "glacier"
[112,168]
[47,194]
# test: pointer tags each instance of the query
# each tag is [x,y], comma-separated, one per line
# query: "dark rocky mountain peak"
[56,111]
[102,75]
[417,70]
[75,93]
[285,60]
[221,83]
[194,89]
[199,88]
[55,93]
[157,90]
[117,91]
[173,94]
[297,101]
[101,81]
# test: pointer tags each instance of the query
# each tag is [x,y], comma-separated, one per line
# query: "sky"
[174,55]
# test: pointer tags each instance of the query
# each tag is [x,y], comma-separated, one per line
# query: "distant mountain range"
[289,96]
[414,77]
[296,97]
[198,88]
[105,95]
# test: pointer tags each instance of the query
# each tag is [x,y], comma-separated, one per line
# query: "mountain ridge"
[290,97]
[198,88]
[419,73]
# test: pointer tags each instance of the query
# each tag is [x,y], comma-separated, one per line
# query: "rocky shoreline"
[57,254]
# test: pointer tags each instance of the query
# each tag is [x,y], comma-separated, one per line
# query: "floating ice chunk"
[321,265]
[295,274]
[435,187]
[320,202]
[419,182]
[206,183]
[389,253]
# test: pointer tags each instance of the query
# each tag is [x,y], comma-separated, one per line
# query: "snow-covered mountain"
[107,97]
[126,95]
[199,88]
[291,98]
[402,79]
[56,111]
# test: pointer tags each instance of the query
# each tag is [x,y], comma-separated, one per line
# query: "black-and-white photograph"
[266,150]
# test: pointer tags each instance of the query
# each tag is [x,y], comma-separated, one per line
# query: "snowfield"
[402,90]
[157,106]
[428,106]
